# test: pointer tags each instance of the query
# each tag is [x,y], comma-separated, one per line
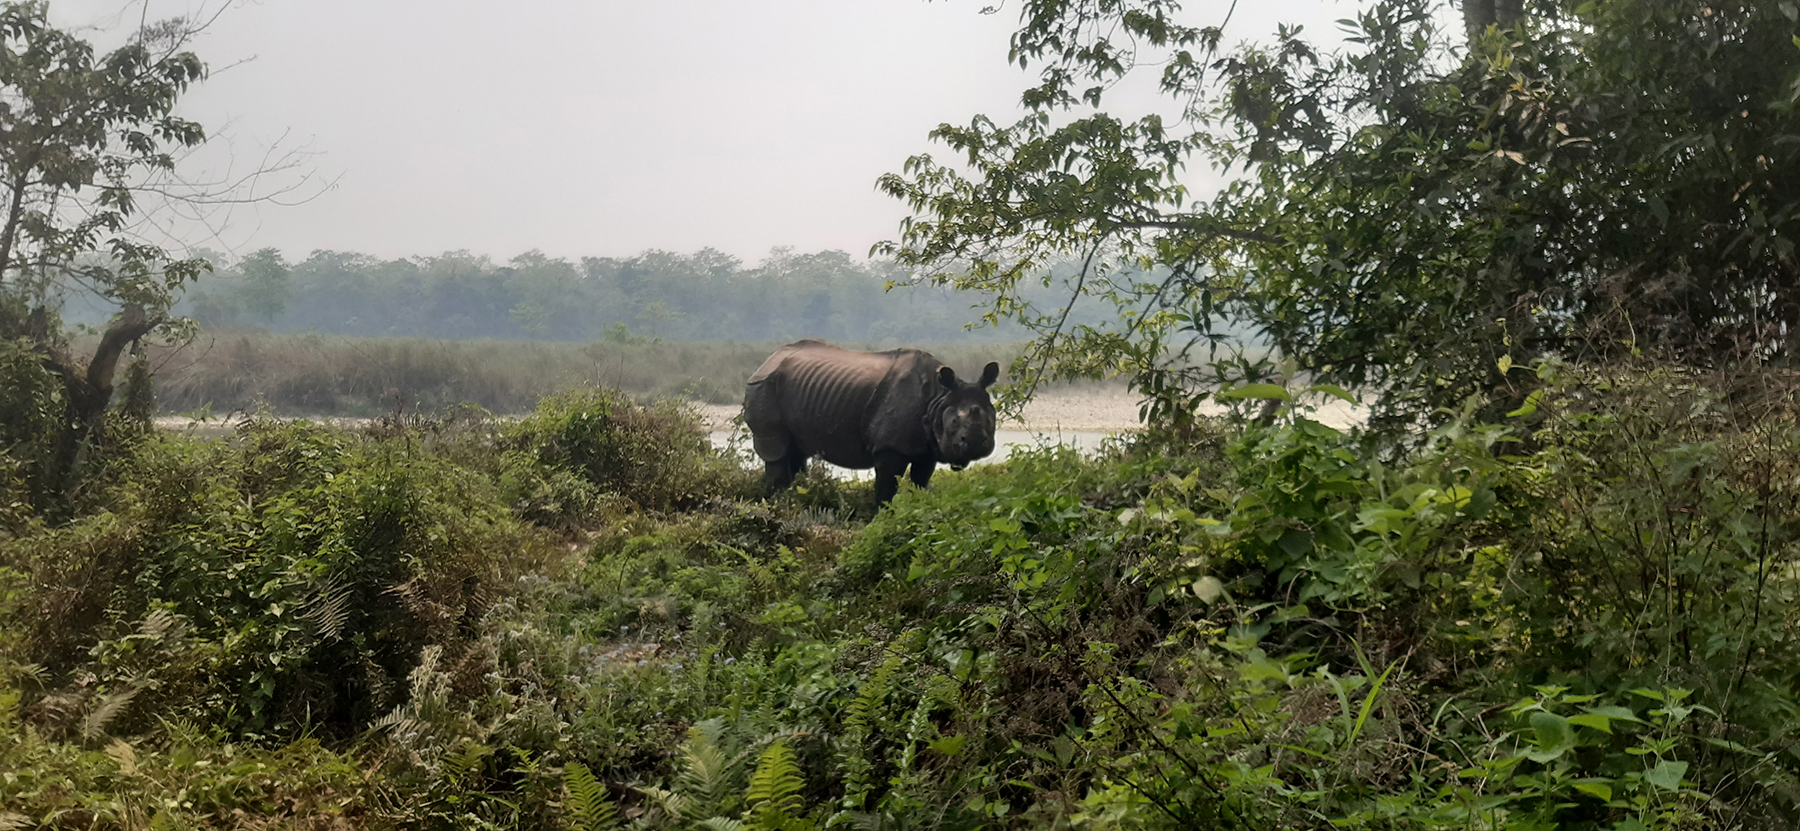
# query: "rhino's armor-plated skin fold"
[885,410]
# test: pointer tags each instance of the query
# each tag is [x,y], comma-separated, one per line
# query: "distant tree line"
[707,295]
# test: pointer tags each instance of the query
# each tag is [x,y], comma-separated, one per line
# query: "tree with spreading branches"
[1414,213]
[85,137]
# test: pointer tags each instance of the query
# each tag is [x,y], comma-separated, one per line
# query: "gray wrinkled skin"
[883,410]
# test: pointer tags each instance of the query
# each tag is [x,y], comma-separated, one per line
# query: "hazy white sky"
[598,127]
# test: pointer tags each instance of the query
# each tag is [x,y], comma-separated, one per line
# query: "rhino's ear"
[990,374]
[947,377]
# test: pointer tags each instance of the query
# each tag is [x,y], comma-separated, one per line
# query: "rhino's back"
[823,396]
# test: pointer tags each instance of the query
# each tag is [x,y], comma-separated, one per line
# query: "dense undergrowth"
[1579,618]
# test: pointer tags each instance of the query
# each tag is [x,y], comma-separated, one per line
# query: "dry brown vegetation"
[320,375]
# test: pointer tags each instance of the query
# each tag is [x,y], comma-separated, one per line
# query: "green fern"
[711,778]
[774,794]
[860,724]
[111,706]
[710,785]
[669,801]
[469,760]
[397,721]
[160,624]
[863,821]
[329,609]
[588,807]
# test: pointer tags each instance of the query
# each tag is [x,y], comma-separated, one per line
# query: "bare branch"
[1049,343]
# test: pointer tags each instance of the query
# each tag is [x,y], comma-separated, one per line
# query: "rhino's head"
[962,421]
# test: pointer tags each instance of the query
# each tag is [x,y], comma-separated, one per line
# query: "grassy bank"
[320,375]
[583,619]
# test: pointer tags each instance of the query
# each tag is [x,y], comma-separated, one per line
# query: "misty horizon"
[581,129]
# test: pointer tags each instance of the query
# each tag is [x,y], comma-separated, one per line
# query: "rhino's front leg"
[777,475]
[921,471]
[888,467]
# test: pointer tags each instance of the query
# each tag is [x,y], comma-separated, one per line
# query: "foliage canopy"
[83,136]
[1589,179]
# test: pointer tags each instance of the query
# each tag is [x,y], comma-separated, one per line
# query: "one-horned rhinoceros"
[884,410]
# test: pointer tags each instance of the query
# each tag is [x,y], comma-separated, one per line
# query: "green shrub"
[1576,619]
[187,779]
[30,411]
[656,455]
[1652,541]
[289,579]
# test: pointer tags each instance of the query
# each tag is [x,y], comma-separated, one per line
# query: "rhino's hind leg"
[782,458]
[779,473]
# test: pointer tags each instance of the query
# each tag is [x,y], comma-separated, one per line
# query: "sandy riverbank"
[1096,409]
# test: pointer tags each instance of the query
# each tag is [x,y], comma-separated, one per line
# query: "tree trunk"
[88,390]
[1478,15]
[14,210]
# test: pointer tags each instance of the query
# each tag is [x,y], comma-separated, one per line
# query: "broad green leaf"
[1334,391]
[1480,503]
[1595,787]
[1594,720]
[1296,542]
[1555,736]
[1260,668]
[1667,775]
[1616,713]
[1530,406]
[949,745]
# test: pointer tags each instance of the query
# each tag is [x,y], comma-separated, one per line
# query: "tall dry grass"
[346,376]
